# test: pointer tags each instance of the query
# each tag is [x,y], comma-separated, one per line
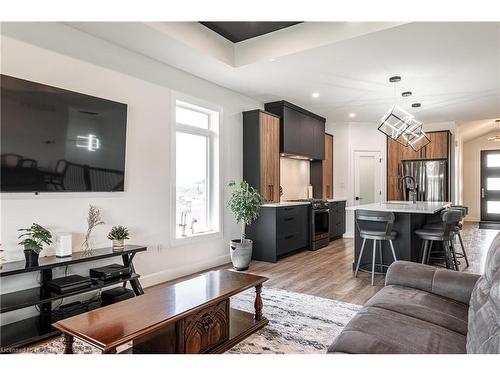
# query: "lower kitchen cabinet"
[279,231]
[337,219]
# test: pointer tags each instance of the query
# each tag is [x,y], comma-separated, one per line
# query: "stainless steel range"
[320,223]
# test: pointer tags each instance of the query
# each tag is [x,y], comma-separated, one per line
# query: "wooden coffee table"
[191,316]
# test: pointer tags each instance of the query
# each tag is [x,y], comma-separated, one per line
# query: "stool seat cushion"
[433,234]
[440,226]
[377,234]
[432,308]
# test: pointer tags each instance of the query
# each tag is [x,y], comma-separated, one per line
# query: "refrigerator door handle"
[482,192]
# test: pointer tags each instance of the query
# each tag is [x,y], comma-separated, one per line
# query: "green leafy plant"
[244,203]
[35,237]
[118,233]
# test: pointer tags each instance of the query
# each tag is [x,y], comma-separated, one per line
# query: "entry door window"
[490,185]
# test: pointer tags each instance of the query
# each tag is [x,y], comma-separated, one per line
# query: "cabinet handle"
[272,192]
[482,192]
[289,236]
[289,218]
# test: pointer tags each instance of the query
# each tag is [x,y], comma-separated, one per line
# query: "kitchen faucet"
[412,186]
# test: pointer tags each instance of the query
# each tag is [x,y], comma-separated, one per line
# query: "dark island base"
[407,245]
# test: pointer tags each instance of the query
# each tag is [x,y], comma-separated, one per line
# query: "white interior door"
[367,178]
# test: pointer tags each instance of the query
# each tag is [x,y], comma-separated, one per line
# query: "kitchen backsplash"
[294,178]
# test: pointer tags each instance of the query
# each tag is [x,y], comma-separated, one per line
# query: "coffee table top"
[114,325]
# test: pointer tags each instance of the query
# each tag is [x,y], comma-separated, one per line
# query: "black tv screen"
[58,140]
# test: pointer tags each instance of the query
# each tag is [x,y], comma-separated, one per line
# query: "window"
[196,170]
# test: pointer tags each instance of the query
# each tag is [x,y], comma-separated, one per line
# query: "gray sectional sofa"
[424,309]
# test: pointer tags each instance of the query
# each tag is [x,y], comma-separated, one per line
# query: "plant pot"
[241,254]
[118,245]
[31,258]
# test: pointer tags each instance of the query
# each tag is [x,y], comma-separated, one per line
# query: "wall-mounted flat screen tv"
[55,140]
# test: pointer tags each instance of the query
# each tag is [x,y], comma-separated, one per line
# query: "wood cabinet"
[301,131]
[261,164]
[321,172]
[279,231]
[439,148]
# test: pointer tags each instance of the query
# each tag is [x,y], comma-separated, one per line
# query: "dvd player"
[68,284]
[110,272]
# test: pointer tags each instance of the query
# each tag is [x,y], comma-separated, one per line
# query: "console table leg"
[110,351]
[68,344]
[258,302]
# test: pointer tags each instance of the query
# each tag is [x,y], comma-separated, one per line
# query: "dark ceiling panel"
[239,31]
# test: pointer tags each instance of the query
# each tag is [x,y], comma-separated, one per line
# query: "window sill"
[197,237]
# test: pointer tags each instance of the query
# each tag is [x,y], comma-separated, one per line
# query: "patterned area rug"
[298,323]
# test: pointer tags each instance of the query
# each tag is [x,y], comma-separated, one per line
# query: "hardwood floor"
[328,272]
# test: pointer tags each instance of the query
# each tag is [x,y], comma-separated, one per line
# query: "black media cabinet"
[26,331]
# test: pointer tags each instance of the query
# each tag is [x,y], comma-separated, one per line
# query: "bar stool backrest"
[382,217]
[450,218]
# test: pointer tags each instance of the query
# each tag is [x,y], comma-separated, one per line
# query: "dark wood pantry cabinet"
[261,158]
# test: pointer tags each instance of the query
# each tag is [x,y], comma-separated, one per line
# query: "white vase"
[241,254]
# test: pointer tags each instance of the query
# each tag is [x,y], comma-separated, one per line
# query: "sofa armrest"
[446,283]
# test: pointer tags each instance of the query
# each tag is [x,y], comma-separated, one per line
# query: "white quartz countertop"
[336,200]
[403,207]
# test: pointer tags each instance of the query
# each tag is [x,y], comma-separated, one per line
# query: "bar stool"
[456,231]
[444,234]
[384,232]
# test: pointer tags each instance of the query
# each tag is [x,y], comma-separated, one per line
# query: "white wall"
[58,55]
[472,172]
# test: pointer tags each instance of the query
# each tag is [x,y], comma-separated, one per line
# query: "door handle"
[482,192]
[358,198]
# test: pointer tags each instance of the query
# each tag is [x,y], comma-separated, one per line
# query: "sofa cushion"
[484,307]
[379,331]
[422,305]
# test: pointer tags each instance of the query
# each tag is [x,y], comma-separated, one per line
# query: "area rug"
[298,323]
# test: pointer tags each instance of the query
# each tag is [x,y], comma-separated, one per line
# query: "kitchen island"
[409,217]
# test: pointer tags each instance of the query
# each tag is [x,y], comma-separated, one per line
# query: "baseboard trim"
[170,274]
[489,225]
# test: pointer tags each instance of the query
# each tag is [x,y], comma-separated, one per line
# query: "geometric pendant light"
[395,123]
[415,136]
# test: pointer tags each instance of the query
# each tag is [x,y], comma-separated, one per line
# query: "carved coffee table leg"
[68,344]
[258,302]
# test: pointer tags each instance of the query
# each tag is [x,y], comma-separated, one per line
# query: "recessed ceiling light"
[351,115]
[271,60]
[315,94]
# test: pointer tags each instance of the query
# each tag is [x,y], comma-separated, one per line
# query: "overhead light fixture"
[315,95]
[406,94]
[416,105]
[415,135]
[394,79]
[496,138]
[351,115]
[394,124]
[272,59]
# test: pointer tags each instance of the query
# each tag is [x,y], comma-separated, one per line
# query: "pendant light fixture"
[415,136]
[496,138]
[396,120]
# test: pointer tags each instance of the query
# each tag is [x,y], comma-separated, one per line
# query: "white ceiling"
[453,69]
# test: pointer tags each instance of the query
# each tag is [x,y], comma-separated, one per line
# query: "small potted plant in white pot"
[118,235]
[245,204]
[35,237]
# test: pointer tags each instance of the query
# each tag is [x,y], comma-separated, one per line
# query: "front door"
[490,185]
[367,179]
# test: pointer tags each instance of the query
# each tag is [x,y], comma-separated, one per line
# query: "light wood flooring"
[328,272]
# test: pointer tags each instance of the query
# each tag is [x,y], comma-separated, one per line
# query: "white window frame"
[214,158]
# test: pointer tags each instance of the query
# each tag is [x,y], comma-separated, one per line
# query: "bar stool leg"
[359,257]
[463,248]
[392,249]
[373,261]
[454,256]
[429,251]
[380,256]
[447,255]
[424,251]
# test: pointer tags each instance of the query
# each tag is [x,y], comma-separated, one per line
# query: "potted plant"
[244,203]
[118,235]
[35,237]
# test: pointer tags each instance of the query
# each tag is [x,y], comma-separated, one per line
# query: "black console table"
[39,327]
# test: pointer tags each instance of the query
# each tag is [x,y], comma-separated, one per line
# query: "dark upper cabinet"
[301,132]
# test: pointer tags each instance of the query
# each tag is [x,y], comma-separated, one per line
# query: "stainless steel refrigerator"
[431,177]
